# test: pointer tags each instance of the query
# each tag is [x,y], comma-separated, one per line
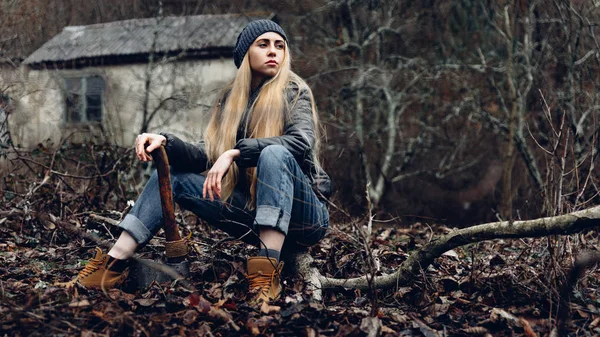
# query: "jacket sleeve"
[184,156]
[298,134]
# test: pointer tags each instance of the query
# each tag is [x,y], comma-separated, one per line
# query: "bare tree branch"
[419,260]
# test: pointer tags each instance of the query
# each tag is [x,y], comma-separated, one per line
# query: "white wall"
[40,107]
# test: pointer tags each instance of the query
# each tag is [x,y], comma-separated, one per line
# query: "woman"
[264,183]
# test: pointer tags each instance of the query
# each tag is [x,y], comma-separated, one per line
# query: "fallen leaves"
[471,290]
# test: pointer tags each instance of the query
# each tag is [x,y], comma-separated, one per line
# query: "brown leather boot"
[103,271]
[264,278]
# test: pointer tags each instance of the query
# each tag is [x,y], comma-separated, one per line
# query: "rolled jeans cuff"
[275,217]
[136,229]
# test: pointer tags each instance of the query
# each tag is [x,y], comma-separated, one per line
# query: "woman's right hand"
[153,140]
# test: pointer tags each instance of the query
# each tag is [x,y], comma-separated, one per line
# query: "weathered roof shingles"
[136,37]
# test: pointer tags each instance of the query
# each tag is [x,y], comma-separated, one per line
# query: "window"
[83,101]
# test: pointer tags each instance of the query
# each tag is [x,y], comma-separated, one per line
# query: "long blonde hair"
[266,118]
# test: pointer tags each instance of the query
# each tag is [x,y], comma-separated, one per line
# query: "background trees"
[454,96]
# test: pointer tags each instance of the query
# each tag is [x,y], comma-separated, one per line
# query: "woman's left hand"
[212,184]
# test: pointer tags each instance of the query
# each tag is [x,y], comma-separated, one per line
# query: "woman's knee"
[185,183]
[274,154]
[177,182]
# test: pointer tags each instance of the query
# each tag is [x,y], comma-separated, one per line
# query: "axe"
[143,273]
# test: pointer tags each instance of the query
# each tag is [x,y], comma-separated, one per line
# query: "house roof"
[141,36]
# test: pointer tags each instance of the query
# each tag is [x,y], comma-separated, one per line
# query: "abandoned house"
[111,81]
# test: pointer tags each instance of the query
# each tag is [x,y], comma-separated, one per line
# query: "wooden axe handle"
[159,156]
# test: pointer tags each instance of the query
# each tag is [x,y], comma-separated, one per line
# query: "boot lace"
[261,282]
[91,267]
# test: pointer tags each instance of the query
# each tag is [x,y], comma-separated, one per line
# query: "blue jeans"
[284,201]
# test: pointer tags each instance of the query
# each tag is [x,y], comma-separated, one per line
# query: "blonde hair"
[266,118]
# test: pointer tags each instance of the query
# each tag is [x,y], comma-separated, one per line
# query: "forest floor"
[494,288]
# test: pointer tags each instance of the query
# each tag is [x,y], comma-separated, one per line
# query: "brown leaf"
[438,309]
[425,330]
[204,305]
[79,304]
[204,330]
[297,298]
[451,253]
[316,306]
[216,291]
[199,302]
[219,314]
[49,225]
[118,294]
[268,309]
[384,235]
[477,330]
[263,322]
[251,325]
[68,284]
[386,329]
[161,318]
[112,314]
[90,333]
[345,259]
[499,315]
[401,291]
[226,303]
[371,326]
[527,328]
[146,302]
[310,332]
[402,319]
[98,313]
[193,300]
[189,317]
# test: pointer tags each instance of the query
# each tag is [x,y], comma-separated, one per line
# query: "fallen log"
[419,260]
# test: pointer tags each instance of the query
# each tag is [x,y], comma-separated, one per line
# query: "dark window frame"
[78,92]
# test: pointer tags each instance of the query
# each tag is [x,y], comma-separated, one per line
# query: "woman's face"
[266,55]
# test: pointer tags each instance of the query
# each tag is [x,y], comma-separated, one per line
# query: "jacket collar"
[254,94]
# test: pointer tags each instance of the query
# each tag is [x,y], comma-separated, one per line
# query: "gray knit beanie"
[253,30]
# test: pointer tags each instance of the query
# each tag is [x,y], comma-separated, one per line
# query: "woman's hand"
[212,184]
[153,140]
